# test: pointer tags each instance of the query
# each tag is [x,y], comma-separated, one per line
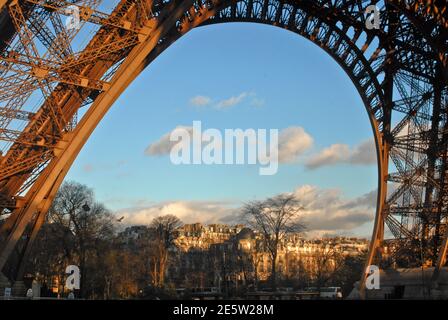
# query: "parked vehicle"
[327,292]
[331,293]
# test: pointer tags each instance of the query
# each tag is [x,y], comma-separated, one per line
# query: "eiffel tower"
[399,69]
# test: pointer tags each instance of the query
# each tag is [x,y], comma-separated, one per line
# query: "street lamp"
[86,209]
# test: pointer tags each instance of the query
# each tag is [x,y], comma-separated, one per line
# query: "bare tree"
[273,218]
[328,262]
[51,253]
[90,222]
[164,228]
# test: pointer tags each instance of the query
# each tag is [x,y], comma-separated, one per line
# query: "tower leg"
[441,260]
[41,194]
[4,283]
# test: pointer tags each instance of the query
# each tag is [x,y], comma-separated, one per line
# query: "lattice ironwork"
[400,71]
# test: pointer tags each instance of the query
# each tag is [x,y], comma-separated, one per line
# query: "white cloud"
[163,146]
[200,101]
[336,153]
[326,211]
[187,211]
[362,154]
[232,101]
[293,142]
[206,101]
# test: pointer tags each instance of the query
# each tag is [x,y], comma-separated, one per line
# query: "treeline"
[83,232]
[80,231]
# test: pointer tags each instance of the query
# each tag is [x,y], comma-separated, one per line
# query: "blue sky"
[277,80]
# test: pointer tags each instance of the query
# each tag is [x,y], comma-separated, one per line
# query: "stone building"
[232,256]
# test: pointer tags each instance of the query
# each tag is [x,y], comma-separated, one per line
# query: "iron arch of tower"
[400,71]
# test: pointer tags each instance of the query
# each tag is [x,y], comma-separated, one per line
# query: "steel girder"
[400,72]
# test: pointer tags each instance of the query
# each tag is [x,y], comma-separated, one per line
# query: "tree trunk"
[274,273]
[82,269]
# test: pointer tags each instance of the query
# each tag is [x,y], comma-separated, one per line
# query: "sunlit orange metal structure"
[48,76]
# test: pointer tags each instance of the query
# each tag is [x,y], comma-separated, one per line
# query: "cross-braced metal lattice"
[48,72]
